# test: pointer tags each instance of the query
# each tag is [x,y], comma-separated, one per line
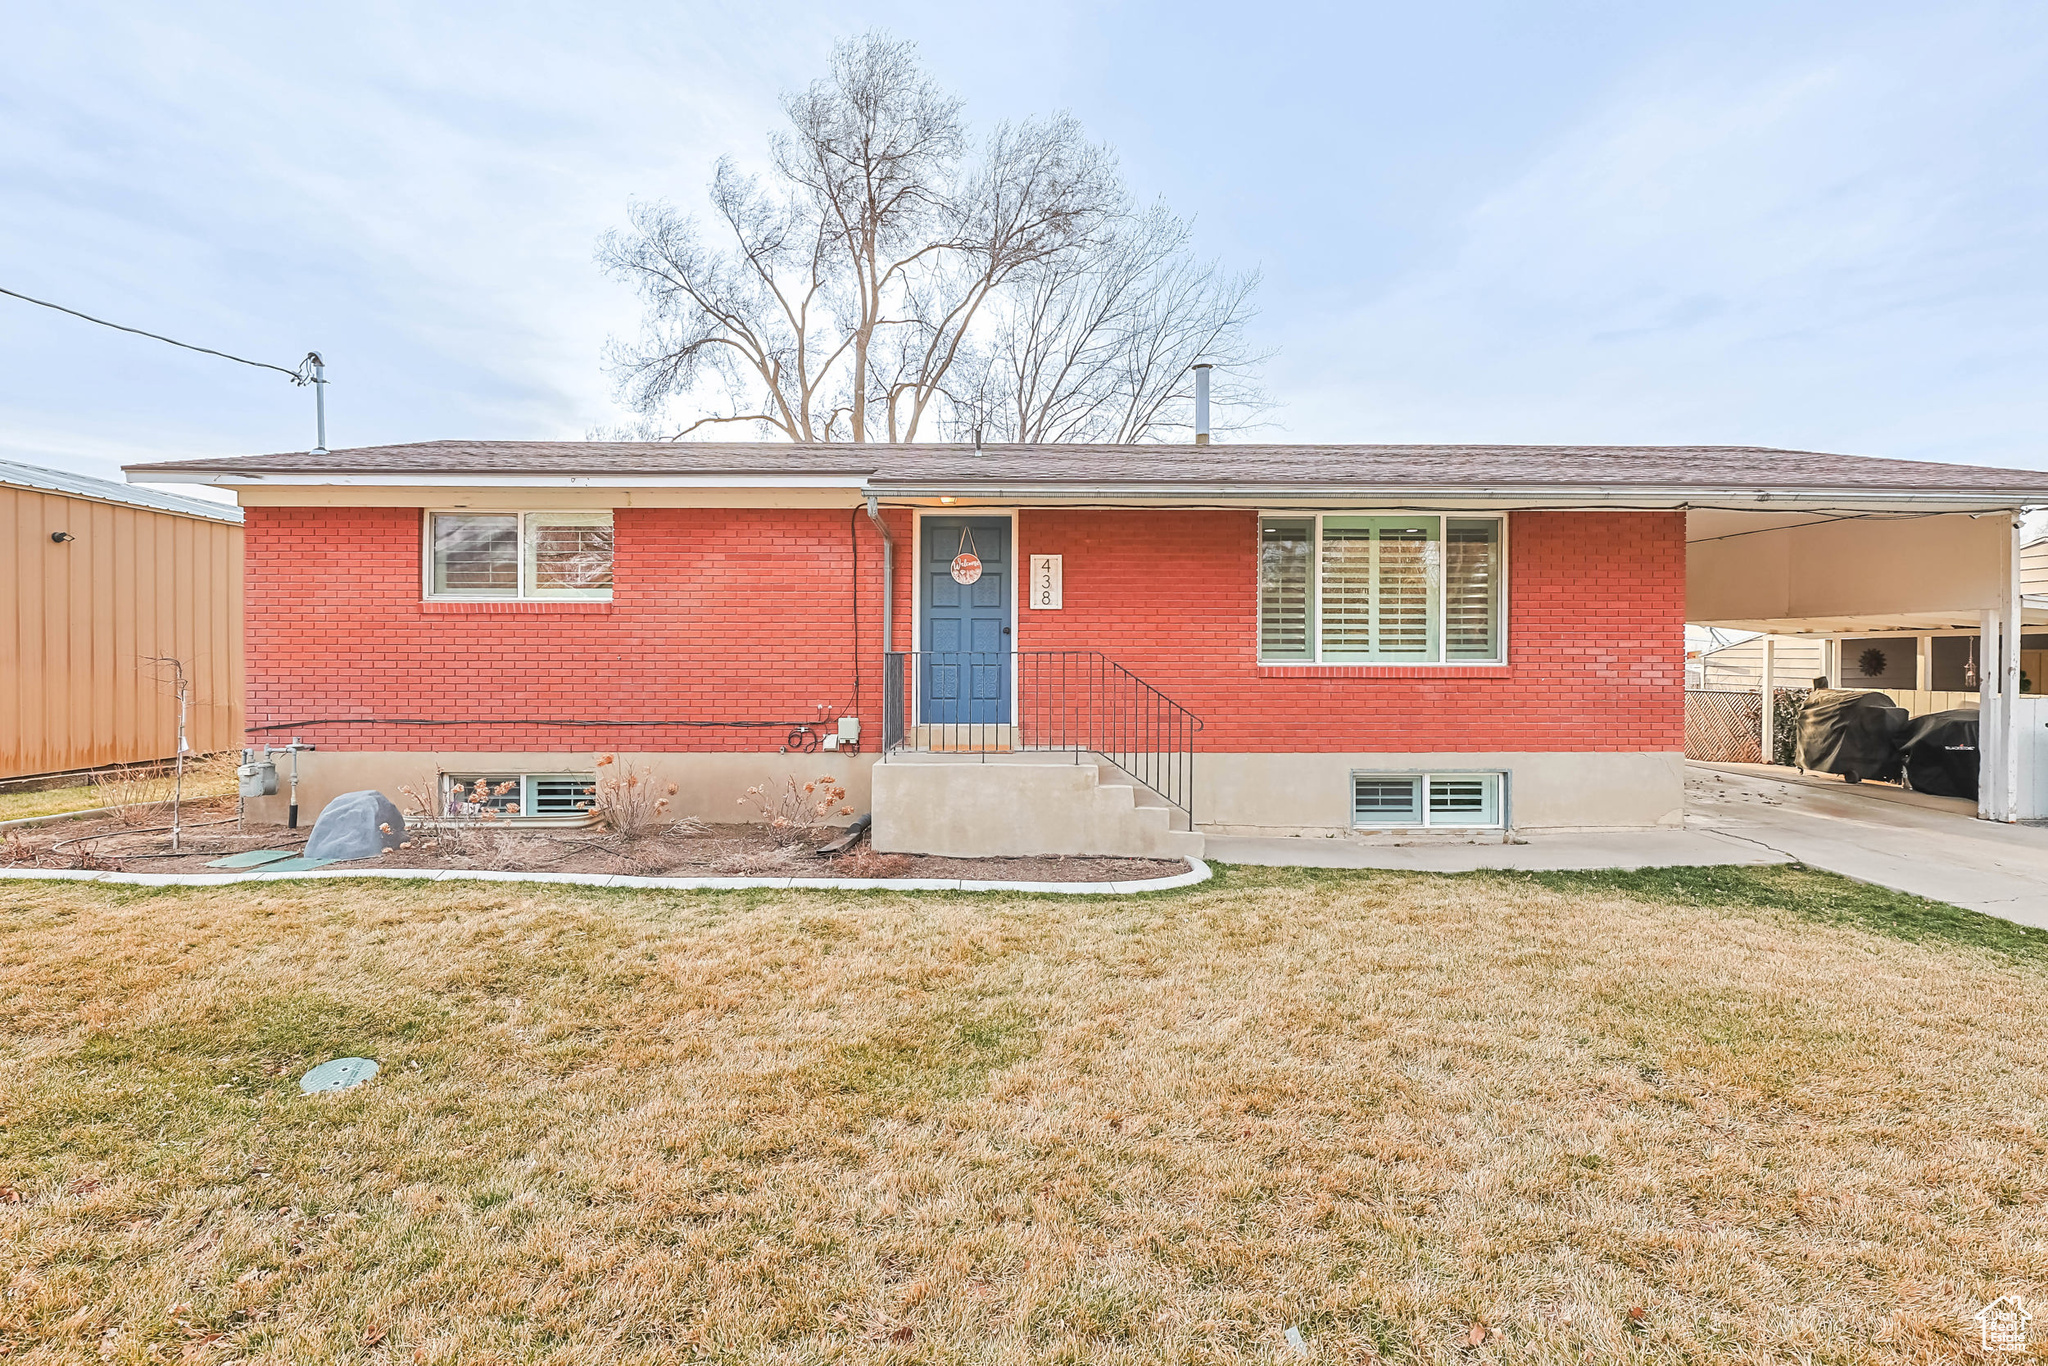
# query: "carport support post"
[1997,750]
[1998,691]
[2009,682]
[1987,715]
[1769,736]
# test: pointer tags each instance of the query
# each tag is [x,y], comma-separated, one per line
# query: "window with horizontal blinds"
[568,556]
[476,555]
[560,794]
[1384,801]
[489,796]
[484,555]
[1472,588]
[1464,799]
[1355,589]
[1286,587]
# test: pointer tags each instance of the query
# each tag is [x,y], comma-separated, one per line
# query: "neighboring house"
[1249,638]
[104,583]
[1739,666]
[1922,673]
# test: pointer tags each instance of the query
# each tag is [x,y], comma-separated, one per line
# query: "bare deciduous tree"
[886,283]
[1099,346]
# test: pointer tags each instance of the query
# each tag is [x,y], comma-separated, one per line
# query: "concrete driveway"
[1748,813]
[1929,846]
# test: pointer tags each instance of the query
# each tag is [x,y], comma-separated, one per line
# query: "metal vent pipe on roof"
[1202,369]
[319,399]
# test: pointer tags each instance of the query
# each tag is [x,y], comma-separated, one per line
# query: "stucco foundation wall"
[709,785]
[1258,794]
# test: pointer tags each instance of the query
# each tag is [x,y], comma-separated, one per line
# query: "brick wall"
[748,615]
[1596,637]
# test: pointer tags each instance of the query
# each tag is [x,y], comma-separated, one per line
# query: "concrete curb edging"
[1198,872]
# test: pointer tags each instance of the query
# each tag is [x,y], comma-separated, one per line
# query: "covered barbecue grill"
[1854,734]
[1940,752]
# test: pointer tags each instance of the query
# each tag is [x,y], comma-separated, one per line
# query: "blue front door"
[965,676]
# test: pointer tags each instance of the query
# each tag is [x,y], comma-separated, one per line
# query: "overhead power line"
[302,375]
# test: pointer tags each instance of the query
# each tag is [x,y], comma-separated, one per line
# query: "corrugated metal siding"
[77,622]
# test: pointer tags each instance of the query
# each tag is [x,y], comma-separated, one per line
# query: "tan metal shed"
[142,575]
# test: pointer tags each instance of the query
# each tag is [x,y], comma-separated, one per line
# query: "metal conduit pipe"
[888,577]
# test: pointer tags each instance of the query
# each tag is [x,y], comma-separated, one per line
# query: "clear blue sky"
[1811,225]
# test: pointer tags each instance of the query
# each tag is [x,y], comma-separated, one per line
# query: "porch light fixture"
[947,501]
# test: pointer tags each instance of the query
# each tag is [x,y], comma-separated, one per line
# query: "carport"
[1862,549]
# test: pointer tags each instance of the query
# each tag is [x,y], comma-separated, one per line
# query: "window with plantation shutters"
[1353,589]
[1379,589]
[1286,587]
[1472,588]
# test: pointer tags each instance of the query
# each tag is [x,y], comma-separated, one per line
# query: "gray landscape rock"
[356,825]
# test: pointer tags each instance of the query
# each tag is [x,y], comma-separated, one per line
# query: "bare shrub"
[499,846]
[135,796]
[86,854]
[462,823]
[797,813]
[865,862]
[782,860]
[140,796]
[628,801]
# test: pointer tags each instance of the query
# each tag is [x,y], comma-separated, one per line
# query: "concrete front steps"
[1008,805]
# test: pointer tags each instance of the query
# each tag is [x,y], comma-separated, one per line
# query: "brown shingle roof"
[1248,465]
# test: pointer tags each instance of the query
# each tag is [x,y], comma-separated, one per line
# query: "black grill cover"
[1941,753]
[1850,733]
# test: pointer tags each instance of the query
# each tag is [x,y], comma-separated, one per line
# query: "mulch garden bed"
[211,831]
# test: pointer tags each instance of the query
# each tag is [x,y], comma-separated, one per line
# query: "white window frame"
[527,783]
[526,516]
[1438,626]
[1425,777]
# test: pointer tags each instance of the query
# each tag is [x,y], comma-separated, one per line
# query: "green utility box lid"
[338,1075]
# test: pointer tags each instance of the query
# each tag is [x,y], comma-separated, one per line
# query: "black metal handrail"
[1065,701]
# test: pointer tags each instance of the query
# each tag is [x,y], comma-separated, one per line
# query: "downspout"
[888,578]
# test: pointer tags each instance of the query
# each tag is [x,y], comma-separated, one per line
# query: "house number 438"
[1046,585]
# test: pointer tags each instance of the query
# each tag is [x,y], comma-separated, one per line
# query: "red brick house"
[1027,649]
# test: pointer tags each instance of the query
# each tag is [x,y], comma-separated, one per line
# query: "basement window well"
[509,556]
[527,796]
[1427,801]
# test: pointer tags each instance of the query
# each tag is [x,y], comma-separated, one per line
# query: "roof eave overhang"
[1136,493]
[138,474]
[1528,495]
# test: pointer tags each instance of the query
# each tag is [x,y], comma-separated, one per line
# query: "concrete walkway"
[1541,853]
[1751,814]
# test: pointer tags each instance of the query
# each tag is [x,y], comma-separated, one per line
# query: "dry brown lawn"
[1686,1116]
